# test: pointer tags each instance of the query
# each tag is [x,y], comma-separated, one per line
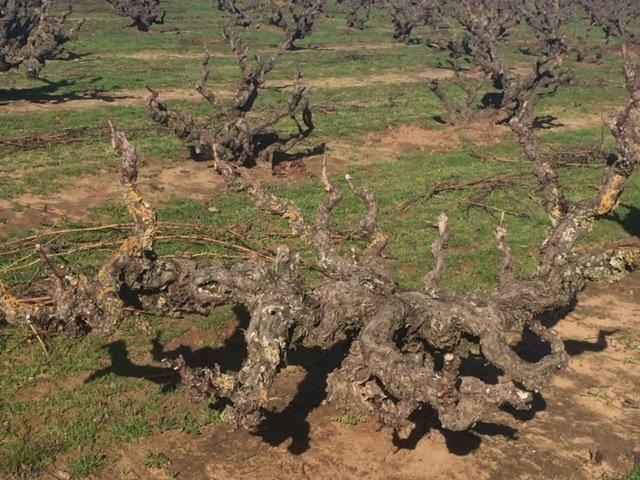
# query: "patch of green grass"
[157,460]
[213,416]
[25,458]
[131,428]
[347,419]
[633,475]
[86,465]
[217,318]
[343,113]
[189,422]
[81,432]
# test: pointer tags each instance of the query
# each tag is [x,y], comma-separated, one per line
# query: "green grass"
[131,428]
[71,409]
[633,475]
[347,419]
[22,458]
[157,460]
[354,111]
[86,465]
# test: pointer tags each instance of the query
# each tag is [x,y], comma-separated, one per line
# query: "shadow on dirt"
[122,366]
[464,443]
[263,142]
[532,349]
[229,356]
[47,93]
[68,56]
[282,157]
[291,423]
[578,347]
[546,122]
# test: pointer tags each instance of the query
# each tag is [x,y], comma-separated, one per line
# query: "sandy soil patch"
[128,98]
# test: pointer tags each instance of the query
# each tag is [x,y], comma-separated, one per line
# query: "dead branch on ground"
[483,185]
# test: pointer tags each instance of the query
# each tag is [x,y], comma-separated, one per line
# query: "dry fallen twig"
[488,184]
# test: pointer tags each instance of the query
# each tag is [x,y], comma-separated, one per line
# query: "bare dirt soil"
[197,181]
[585,426]
[194,180]
[168,54]
[137,97]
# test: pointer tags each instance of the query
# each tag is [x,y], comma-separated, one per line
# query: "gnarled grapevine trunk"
[143,12]
[406,348]
[613,17]
[358,12]
[241,138]
[238,16]
[30,34]
[486,23]
[405,15]
[295,18]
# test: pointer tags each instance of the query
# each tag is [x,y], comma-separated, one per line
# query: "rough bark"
[143,12]
[238,16]
[30,34]
[487,23]
[295,17]
[613,17]
[405,15]
[240,137]
[456,111]
[406,348]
